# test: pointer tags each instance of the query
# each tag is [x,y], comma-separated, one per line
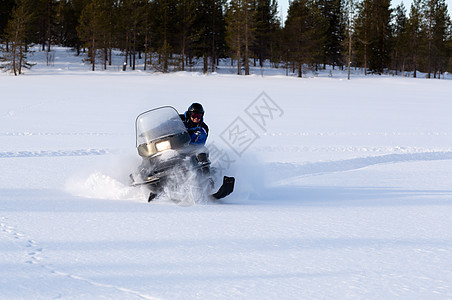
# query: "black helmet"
[196,108]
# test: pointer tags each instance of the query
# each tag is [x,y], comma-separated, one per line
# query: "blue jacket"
[198,132]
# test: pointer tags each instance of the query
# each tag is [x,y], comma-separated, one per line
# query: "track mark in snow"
[353,149]
[33,256]
[32,251]
[57,153]
[94,283]
[287,170]
[356,134]
[5,228]
[27,133]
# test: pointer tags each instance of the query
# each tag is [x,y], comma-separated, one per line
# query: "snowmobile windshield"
[158,123]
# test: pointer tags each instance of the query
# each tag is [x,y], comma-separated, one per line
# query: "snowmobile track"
[54,153]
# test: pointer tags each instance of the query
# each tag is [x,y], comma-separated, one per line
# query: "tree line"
[177,34]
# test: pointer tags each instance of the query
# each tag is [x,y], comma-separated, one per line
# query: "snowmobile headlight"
[162,146]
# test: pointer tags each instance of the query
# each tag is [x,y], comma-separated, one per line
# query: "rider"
[193,120]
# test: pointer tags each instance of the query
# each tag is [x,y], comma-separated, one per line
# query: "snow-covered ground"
[343,190]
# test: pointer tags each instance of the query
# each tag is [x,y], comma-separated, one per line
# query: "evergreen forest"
[175,35]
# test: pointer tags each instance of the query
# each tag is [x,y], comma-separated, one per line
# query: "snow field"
[346,195]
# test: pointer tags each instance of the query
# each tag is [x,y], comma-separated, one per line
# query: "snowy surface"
[346,193]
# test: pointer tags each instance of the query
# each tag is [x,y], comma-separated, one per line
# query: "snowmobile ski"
[226,188]
[151,196]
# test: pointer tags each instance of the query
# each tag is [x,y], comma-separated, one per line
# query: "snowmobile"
[170,164]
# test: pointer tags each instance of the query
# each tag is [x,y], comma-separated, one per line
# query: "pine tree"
[122,17]
[234,31]
[449,52]
[401,49]
[71,11]
[241,31]
[437,22]
[138,17]
[415,35]
[164,22]
[304,34]
[6,8]
[14,58]
[276,50]
[44,22]
[442,37]
[266,24]
[209,32]
[363,39]
[91,29]
[107,32]
[349,10]
[146,29]
[374,34]
[334,26]
[186,14]
[382,31]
